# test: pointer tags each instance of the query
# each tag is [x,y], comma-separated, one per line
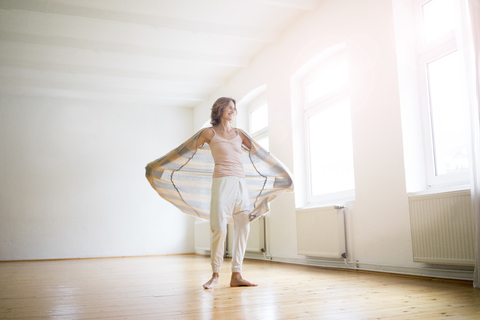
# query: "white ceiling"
[164,52]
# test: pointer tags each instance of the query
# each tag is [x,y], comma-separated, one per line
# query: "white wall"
[378,224]
[72,179]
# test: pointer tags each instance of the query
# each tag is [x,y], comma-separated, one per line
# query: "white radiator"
[443,228]
[256,237]
[203,236]
[321,232]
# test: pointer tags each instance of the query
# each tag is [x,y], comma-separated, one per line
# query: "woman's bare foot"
[238,281]
[212,282]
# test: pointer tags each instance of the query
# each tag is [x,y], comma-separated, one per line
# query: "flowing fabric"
[183,177]
[470,46]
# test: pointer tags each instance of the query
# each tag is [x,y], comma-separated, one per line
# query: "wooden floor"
[169,287]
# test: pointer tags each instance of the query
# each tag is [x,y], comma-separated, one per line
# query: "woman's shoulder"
[208,132]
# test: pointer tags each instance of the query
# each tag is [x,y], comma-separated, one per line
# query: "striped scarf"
[183,177]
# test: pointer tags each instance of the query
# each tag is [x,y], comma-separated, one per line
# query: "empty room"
[239,159]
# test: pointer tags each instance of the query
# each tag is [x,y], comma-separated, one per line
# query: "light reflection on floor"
[170,287]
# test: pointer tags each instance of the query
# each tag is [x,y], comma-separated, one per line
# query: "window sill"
[461,188]
[321,207]
[324,204]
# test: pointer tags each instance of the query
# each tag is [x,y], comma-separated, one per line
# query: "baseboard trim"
[429,272]
[90,258]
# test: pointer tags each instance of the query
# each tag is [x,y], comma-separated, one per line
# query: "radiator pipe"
[264,249]
[344,255]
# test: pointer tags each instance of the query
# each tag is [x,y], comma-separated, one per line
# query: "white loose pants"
[229,200]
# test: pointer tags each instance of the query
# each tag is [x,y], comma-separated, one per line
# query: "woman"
[235,185]
[229,190]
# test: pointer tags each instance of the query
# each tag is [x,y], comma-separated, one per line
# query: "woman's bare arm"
[205,136]
[246,142]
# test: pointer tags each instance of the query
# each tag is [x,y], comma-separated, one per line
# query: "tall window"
[258,119]
[445,118]
[328,132]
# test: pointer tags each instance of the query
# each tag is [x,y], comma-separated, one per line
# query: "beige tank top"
[227,155]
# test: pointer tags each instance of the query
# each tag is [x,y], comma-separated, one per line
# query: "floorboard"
[170,287]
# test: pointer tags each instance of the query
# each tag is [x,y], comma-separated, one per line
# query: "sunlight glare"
[259,118]
[438,18]
[331,154]
[448,115]
[331,79]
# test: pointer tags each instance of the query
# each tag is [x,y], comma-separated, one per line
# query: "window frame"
[314,107]
[331,62]
[258,102]
[428,52]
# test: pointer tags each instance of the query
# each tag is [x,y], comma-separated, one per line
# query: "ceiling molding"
[106,81]
[60,85]
[117,72]
[92,45]
[130,100]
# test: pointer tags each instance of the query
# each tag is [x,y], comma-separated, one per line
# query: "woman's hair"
[217,109]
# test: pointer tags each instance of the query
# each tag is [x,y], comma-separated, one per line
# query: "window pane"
[259,118]
[264,142]
[438,18]
[331,155]
[448,115]
[331,79]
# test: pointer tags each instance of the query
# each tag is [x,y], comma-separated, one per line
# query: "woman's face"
[228,112]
